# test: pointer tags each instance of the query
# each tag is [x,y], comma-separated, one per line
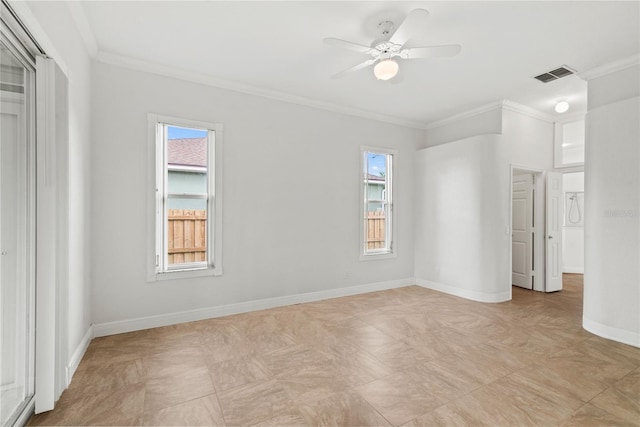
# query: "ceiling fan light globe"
[385,69]
[562,107]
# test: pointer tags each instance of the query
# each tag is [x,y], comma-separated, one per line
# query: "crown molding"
[208,80]
[527,111]
[83,26]
[503,105]
[611,67]
[465,115]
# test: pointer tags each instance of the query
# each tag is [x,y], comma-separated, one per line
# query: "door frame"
[51,287]
[539,264]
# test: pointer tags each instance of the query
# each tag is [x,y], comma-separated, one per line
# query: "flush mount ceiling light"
[385,69]
[562,107]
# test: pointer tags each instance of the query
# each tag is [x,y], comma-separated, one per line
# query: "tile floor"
[407,356]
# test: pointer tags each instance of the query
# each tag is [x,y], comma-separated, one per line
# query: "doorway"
[17,228]
[527,228]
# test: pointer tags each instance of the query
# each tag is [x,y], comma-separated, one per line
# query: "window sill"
[379,256]
[184,274]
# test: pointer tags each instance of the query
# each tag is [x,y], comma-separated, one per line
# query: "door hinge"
[157,260]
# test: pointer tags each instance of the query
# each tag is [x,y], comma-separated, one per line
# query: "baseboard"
[573,270]
[465,293]
[140,323]
[611,333]
[77,355]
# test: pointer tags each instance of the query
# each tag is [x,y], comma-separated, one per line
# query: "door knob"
[551,237]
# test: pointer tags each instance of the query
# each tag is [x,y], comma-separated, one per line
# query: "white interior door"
[553,222]
[522,231]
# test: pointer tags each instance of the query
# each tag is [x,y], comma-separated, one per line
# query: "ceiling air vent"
[554,74]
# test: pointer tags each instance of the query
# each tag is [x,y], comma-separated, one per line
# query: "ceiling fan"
[385,50]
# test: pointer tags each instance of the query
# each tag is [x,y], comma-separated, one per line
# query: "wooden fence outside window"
[187,234]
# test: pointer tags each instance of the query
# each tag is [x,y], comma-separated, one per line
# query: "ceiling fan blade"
[347,45]
[416,19]
[355,68]
[430,51]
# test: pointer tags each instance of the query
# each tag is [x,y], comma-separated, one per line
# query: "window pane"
[186,160]
[376,202]
[186,231]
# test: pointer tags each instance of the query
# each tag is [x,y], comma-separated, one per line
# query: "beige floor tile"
[564,385]
[290,418]
[293,359]
[313,382]
[592,416]
[359,367]
[444,416]
[399,355]
[163,392]
[399,399]
[174,361]
[123,406]
[540,406]
[629,385]
[204,411]
[571,363]
[610,351]
[342,409]
[254,403]
[109,377]
[406,355]
[619,404]
[232,373]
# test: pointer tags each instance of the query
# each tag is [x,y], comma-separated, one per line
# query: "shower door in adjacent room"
[17,228]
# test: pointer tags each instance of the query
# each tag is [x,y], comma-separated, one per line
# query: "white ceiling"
[277,47]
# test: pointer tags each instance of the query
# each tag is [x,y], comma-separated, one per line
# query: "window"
[569,143]
[377,202]
[187,198]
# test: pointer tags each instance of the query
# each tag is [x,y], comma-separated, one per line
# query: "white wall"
[530,140]
[454,129]
[53,22]
[573,236]
[461,223]
[612,217]
[291,196]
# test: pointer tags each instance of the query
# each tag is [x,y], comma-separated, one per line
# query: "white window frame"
[390,228]
[157,267]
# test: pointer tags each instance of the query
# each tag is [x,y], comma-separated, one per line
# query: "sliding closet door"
[17,231]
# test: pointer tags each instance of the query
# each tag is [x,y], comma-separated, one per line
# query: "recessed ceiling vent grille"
[556,74]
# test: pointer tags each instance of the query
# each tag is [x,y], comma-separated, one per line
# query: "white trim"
[21,8]
[391,230]
[83,26]
[611,67]
[46,286]
[466,293]
[130,325]
[611,333]
[505,104]
[215,158]
[527,111]
[78,354]
[26,413]
[464,115]
[206,79]
[573,270]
